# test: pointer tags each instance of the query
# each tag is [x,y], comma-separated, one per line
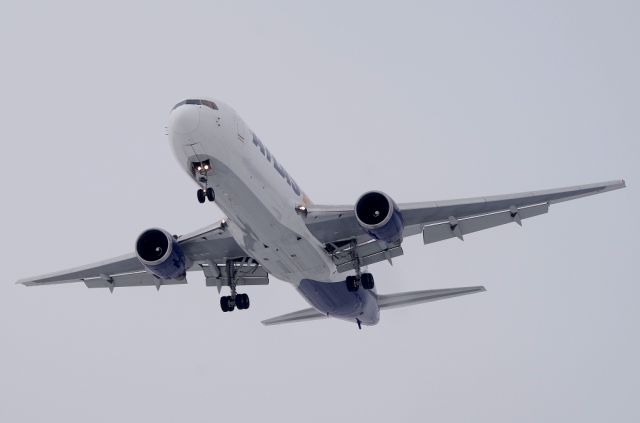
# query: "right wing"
[207,249]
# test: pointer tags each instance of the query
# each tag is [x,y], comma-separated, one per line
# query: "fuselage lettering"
[266,154]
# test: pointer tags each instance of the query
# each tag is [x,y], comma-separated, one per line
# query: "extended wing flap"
[246,272]
[460,227]
[374,256]
[130,279]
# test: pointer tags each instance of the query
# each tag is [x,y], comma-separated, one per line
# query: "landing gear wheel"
[201,196]
[242,301]
[226,304]
[247,303]
[211,195]
[223,304]
[352,284]
[239,302]
[367,281]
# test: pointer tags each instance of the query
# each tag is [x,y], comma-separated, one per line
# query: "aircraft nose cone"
[184,119]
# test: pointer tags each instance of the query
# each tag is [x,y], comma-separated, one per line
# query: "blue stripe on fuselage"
[334,299]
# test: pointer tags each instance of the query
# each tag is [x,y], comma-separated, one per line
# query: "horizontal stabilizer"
[404,299]
[296,316]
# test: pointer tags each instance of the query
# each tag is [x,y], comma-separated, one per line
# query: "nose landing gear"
[201,170]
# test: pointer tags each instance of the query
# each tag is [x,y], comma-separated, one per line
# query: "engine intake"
[378,214]
[161,254]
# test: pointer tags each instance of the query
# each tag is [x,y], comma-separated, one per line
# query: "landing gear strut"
[360,279]
[201,171]
[230,302]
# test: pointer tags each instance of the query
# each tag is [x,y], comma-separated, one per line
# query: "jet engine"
[161,254]
[378,214]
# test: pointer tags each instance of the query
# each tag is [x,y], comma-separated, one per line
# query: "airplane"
[272,228]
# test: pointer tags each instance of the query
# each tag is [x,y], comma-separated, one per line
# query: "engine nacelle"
[378,214]
[161,254]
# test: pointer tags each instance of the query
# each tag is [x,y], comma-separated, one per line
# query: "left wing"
[206,249]
[338,229]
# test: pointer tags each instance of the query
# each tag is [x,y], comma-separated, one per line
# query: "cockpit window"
[208,103]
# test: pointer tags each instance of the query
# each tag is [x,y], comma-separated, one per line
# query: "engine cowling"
[379,215]
[161,254]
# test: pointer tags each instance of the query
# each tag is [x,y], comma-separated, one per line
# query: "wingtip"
[620,183]
[476,289]
[613,185]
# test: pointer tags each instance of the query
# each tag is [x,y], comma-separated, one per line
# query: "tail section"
[402,299]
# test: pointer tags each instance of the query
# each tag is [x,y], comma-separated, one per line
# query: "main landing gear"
[360,279]
[365,281]
[227,303]
[207,194]
[230,302]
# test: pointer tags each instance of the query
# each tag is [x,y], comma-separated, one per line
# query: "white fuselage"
[252,189]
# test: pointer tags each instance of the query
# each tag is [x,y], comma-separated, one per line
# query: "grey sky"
[423,100]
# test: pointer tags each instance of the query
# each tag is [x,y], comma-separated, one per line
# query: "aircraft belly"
[262,232]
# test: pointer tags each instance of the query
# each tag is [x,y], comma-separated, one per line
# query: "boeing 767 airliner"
[272,228]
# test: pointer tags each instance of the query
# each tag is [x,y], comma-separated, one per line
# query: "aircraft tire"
[242,301]
[367,281]
[201,196]
[211,195]
[352,284]
[225,304]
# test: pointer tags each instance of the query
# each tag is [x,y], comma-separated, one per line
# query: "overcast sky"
[424,100]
